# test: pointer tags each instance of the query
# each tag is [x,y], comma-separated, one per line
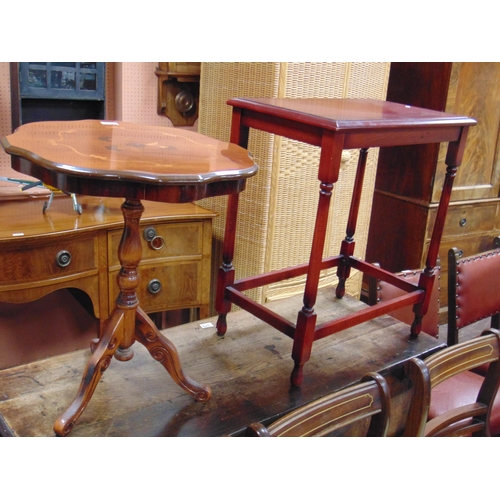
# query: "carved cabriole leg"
[96,366]
[225,276]
[137,326]
[127,324]
[119,331]
[165,352]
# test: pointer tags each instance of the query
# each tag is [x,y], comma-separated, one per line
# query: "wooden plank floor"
[248,372]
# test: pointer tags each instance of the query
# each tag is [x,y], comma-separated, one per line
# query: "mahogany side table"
[335,125]
[135,162]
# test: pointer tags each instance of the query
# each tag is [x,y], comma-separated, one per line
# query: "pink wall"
[5,117]
[135,91]
[131,92]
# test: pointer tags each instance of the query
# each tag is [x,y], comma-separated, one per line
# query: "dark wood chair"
[367,400]
[473,295]
[472,417]
[473,291]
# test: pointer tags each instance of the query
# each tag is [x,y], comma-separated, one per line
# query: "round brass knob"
[149,233]
[184,101]
[154,286]
[156,242]
[63,258]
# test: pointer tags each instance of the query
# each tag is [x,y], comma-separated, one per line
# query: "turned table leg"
[454,157]
[347,247]
[306,319]
[225,277]
[127,324]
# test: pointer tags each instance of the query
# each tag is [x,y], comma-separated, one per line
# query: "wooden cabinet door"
[475,91]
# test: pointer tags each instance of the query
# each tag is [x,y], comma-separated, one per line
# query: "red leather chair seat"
[460,390]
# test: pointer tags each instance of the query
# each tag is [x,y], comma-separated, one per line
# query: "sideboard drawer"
[464,220]
[167,287]
[38,262]
[31,240]
[162,241]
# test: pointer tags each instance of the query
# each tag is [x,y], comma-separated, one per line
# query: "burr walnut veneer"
[335,125]
[135,162]
[409,179]
[44,253]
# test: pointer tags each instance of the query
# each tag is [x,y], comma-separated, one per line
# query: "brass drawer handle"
[63,258]
[154,286]
[156,242]
[149,233]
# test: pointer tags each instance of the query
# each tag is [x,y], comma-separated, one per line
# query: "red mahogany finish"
[135,162]
[334,125]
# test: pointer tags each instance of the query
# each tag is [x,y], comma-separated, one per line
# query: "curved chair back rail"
[369,398]
[470,419]
[473,290]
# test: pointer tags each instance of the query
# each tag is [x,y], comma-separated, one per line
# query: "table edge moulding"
[135,162]
[335,125]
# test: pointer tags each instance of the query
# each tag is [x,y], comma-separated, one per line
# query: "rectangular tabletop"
[364,122]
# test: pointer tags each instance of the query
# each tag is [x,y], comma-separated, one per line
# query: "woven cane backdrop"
[277,209]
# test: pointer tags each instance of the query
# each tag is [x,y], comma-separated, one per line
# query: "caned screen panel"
[297,176]
[218,83]
[277,210]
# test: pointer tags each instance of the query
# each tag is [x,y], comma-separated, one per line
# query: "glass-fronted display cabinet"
[57,91]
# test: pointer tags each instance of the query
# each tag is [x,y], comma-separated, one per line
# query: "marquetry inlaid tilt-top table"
[335,125]
[134,162]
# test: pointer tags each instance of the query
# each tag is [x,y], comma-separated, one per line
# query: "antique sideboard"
[46,253]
